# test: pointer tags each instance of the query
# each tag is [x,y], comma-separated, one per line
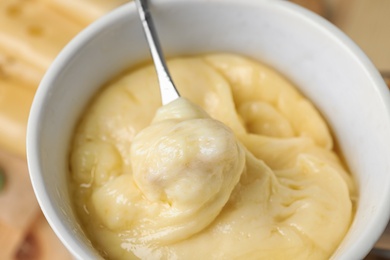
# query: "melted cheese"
[244,170]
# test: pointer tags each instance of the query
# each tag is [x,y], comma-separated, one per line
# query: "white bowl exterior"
[324,64]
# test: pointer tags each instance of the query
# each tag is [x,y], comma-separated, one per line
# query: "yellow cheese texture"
[242,167]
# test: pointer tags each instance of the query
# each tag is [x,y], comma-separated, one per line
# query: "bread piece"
[11,67]
[15,101]
[33,32]
[84,11]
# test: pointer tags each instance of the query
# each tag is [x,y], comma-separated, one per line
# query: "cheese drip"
[184,168]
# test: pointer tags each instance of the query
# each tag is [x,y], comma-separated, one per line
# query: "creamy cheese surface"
[243,167]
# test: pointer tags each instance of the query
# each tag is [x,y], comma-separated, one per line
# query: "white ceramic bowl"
[327,66]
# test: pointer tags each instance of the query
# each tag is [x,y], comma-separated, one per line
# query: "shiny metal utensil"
[167,87]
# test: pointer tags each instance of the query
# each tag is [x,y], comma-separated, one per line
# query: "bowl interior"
[325,65]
